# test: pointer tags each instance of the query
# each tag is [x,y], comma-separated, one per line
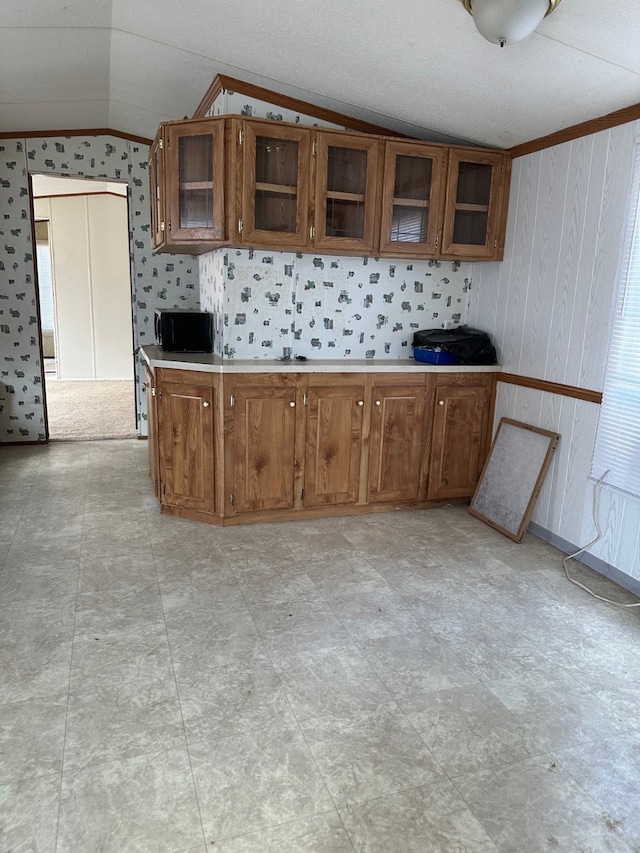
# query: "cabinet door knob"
[378,403]
[292,404]
[206,404]
[361,402]
[441,402]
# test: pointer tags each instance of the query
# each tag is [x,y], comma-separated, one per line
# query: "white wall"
[549,307]
[91,282]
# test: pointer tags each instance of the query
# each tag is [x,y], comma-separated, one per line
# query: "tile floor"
[388,683]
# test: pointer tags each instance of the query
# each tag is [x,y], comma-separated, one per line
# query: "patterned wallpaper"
[234,103]
[330,307]
[157,280]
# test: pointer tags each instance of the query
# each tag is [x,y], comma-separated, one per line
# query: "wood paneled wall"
[549,306]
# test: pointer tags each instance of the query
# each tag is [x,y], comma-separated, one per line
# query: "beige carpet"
[90,410]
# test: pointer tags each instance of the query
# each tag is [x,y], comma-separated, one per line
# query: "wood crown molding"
[222,82]
[89,131]
[585,128]
[551,387]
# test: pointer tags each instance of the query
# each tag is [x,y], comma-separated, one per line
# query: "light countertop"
[211,363]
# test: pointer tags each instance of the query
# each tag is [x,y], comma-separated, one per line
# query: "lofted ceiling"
[415,66]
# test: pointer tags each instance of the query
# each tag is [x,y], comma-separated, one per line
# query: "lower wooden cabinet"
[246,447]
[185,409]
[333,455]
[459,435]
[260,451]
[397,440]
[152,429]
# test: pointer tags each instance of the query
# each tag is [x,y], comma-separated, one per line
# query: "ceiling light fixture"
[508,21]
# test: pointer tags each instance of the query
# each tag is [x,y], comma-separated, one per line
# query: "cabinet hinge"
[162,226]
[233,500]
[312,232]
[443,161]
[305,400]
[302,494]
[232,401]
[153,392]
[240,225]
[314,147]
[241,137]
[160,393]
[495,243]
[159,143]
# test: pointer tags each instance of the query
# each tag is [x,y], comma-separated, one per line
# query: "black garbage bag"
[471,346]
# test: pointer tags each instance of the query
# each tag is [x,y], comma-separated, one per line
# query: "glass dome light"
[508,21]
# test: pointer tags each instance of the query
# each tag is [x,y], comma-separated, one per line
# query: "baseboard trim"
[621,578]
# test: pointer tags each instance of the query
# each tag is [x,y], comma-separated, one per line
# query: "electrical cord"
[596,508]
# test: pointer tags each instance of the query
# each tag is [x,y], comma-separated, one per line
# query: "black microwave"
[184,331]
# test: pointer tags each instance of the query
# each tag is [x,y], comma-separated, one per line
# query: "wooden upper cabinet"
[474,211]
[156,181]
[276,185]
[194,161]
[186,443]
[412,198]
[276,182]
[397,438]
[334,444]
[346,192]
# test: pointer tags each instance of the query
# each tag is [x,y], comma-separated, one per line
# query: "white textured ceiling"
[416,66]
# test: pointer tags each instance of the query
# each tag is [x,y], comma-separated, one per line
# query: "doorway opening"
[86,326]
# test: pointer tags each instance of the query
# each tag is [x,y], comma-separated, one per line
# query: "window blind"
[618,437]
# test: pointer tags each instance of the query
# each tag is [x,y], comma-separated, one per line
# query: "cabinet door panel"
[346,175]
[276,182]
[334,437]
[473,210]
[156,181]
[152,429]
[185,435]
[195,164]
[264,421]
[412,198]
[459,422]
[397,422]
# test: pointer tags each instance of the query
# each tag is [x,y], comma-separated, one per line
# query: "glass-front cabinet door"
[412,197]
[156,173]
[346,192]
[276,180]
[473,204]
[194,159]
